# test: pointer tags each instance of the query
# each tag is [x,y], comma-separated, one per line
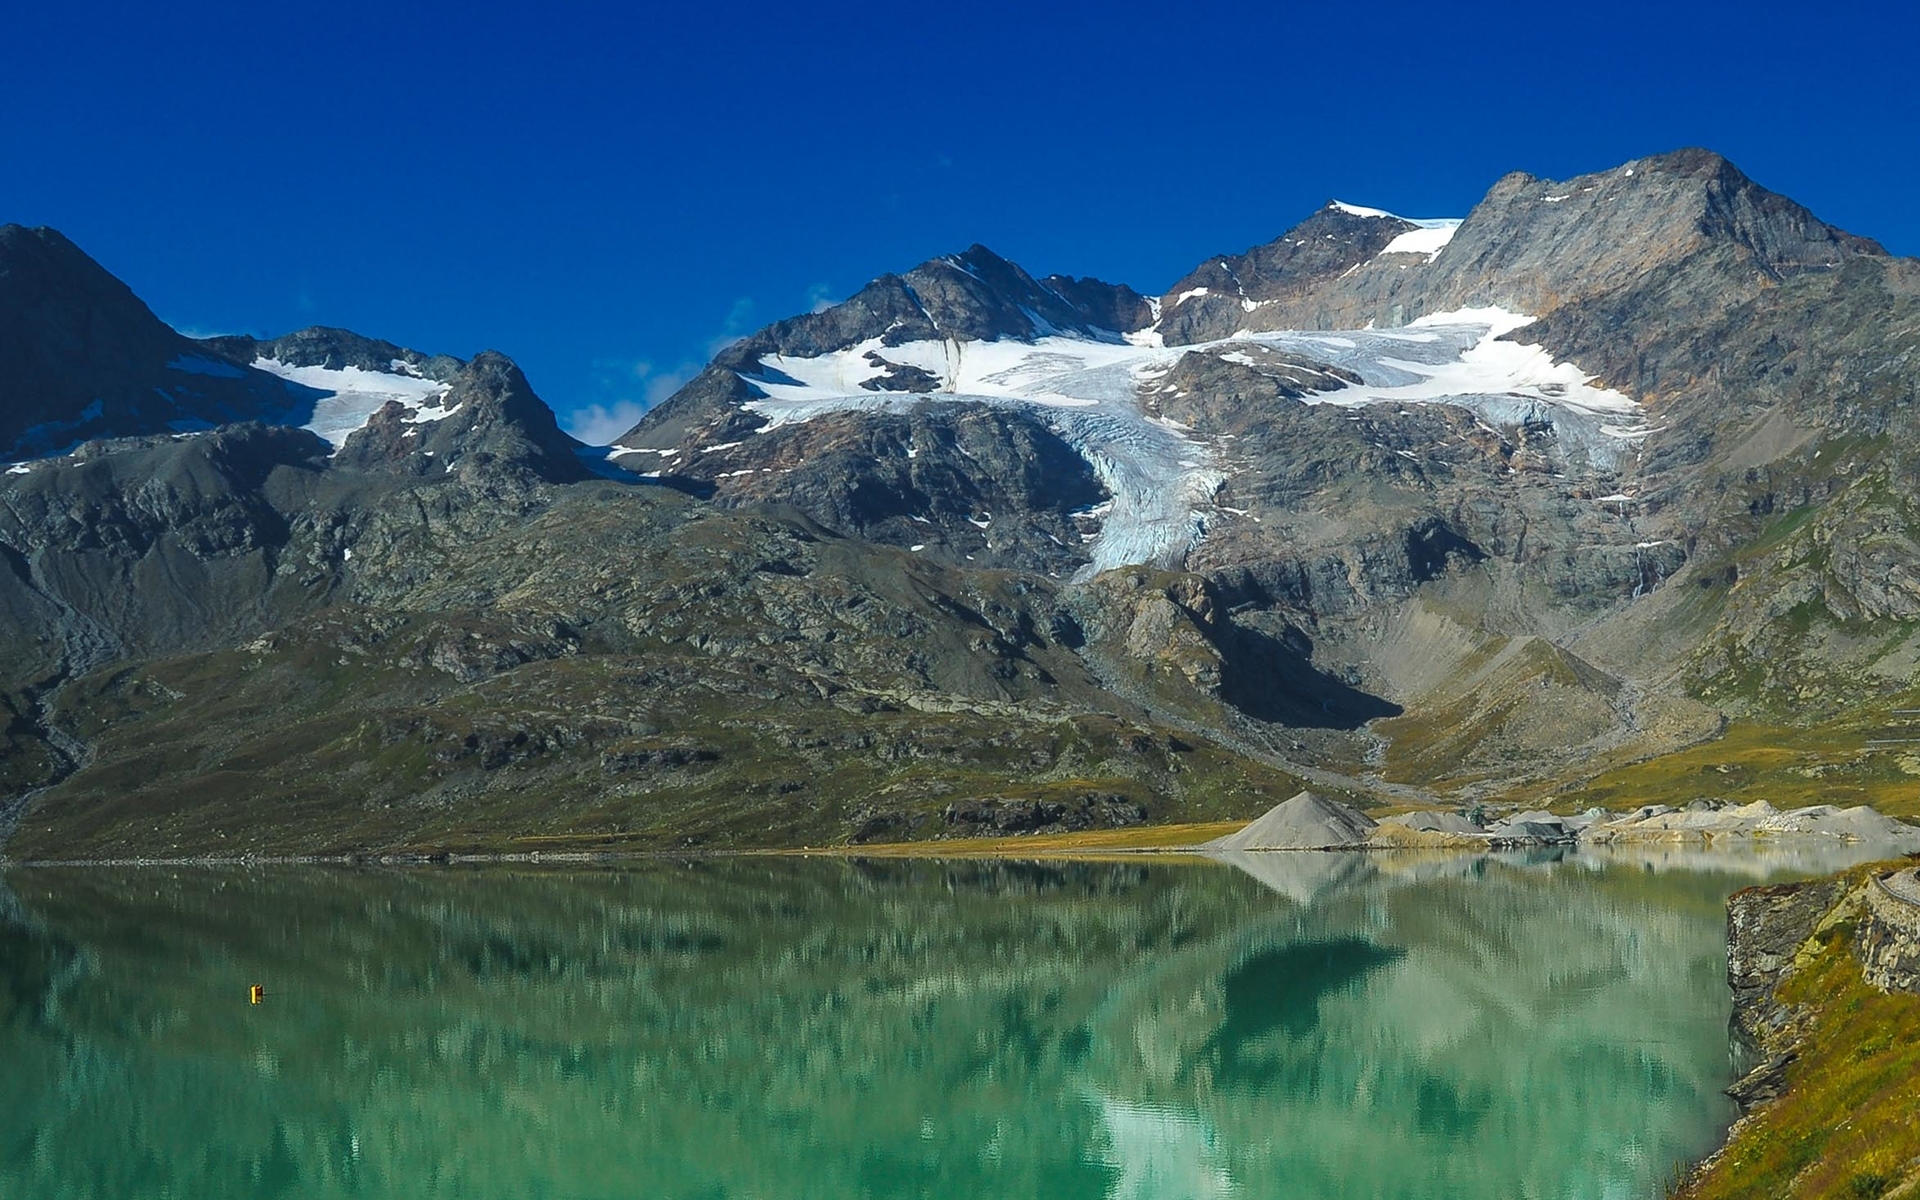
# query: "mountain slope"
[82,357]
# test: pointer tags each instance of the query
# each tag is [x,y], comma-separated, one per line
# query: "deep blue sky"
[605,193]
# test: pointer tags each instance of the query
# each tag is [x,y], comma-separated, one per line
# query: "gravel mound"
[1859,824]
[1435,822]
[1308,821]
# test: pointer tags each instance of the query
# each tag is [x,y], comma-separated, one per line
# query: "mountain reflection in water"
[1311,1025]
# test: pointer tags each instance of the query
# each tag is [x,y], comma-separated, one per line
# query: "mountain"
[81,357]
[1598,492]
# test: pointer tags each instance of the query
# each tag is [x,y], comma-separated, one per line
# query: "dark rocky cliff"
[81,357]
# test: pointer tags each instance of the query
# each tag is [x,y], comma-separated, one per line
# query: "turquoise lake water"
[1299,1025]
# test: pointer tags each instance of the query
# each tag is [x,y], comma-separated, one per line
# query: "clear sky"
[606,192]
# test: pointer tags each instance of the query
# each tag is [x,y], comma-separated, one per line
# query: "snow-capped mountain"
[1400,506]
[81,358]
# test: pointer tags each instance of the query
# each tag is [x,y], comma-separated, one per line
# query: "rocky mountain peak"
[1215,299]
[82,357]
[488,421]
[1532,245]
[40,265]
[977,295]
[973,296]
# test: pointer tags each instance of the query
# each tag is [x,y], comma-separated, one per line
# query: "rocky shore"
[1311,821]
[1826,1004]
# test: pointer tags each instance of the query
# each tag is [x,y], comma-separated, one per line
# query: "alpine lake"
[1543,1025]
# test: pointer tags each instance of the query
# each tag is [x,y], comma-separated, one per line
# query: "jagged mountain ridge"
[1531,245]
[1459,550]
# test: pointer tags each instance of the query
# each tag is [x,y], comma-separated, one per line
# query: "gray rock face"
[1765,928]
[1218,297]
[1245,391]
[1532,246]
[497,429]
[850,473]
[962,483]
[149,545]
[973,296]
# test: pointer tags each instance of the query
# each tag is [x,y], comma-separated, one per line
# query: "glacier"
[355,394]
[1161,475]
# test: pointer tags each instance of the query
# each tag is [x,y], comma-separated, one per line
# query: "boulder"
[1436,822]
[1535,827]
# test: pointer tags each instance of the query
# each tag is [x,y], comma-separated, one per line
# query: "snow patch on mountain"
[353,395]
[1162,479]
[1431,238]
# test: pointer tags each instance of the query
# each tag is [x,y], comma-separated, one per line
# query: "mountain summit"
[82,357]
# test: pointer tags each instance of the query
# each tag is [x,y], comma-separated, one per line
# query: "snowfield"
[354,395]
[1429,238]
[1161,477]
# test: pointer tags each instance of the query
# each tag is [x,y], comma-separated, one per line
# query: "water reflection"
[1325,1026]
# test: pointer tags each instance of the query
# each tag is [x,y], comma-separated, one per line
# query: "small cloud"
[599,424]
[820,297]
[737,325]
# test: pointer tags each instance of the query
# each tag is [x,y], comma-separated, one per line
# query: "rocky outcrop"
[962,483]
[1815,969]
[1768,929]
[1220,296]
[1766,926]
[494,429]
[1889,936]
